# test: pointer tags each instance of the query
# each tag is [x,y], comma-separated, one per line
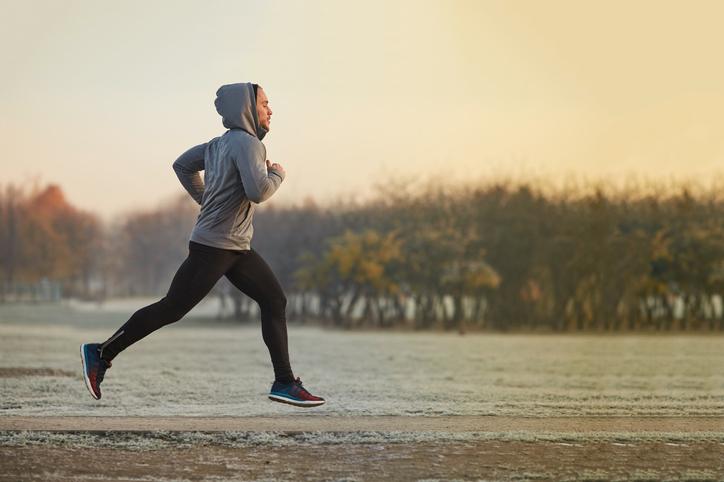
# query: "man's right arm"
[187,168]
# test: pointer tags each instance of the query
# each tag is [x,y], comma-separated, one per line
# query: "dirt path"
[312,423]
[139,449]
[486,460]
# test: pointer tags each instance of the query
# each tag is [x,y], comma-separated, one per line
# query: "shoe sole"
[296,403]
[85,372]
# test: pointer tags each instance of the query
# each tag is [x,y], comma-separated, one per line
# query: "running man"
[237,175]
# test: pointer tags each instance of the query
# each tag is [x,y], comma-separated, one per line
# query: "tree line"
[505,256]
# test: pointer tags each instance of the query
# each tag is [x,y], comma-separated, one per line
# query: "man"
[220,243]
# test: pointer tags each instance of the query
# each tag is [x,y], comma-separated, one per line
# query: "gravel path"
[479,460]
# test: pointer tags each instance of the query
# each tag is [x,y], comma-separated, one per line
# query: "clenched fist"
[277,167]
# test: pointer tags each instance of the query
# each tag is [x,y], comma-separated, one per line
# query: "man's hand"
[275,166]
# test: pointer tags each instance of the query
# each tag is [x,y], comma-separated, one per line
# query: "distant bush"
[500,256]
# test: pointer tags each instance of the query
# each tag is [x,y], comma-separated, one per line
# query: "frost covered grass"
[205,368]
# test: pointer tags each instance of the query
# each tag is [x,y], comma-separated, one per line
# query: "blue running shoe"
[94,367]
[294,394]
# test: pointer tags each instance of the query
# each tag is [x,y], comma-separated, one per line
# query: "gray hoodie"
[235,173]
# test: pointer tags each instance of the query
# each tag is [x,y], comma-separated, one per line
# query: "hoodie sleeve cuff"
[274,171]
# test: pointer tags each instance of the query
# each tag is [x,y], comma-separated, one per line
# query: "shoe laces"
[104,363]
[295,381]
[298,382]
[103,366]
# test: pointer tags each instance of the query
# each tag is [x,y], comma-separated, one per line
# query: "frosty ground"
[203,368]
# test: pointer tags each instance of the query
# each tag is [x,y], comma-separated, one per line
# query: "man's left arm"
[187,168]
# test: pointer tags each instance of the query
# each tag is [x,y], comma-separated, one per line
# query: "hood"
[236,104]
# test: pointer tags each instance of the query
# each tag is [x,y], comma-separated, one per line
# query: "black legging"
[198,274]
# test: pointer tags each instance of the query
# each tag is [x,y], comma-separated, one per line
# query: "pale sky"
[101,97]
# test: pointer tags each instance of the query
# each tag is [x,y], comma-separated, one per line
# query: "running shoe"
[294,394]
[94,367]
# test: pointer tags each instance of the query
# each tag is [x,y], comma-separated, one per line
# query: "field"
[403,406]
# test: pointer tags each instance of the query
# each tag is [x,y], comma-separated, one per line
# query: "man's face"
[263,111]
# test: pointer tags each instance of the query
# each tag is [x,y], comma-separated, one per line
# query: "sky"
[101,97]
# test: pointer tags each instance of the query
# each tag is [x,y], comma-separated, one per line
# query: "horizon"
[572,187]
